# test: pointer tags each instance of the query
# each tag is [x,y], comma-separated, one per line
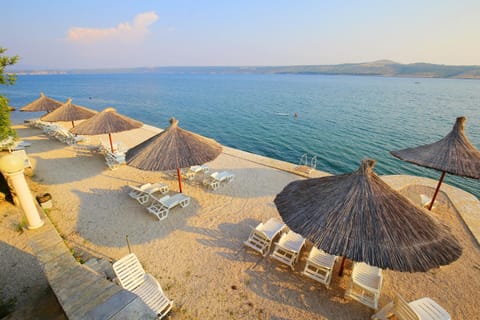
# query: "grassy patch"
[18,227]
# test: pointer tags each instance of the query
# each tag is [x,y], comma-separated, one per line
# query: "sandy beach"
[197,253]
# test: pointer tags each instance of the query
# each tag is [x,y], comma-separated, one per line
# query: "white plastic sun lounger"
[194,170]
[319,266]
[144,192]
[133,277]
[218,177]
[161,207]
[421,309]
[261,237]
[365,284]
[287,249]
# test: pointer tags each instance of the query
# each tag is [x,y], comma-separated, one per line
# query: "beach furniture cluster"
[156,200]
[132,277]
[56,131]
[366,281]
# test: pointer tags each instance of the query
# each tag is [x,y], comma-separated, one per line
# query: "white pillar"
[12,166]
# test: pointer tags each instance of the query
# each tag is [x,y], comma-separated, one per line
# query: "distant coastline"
[384,68]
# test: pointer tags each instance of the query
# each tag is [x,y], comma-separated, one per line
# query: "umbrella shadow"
[81,169]
[27,293]
[275,282]
[106,217]
[228,240]
[260,177]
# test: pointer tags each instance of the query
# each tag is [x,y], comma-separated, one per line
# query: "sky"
[146,33]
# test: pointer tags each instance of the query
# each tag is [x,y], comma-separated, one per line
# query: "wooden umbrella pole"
[111,143]
[128,244]
[436,191]
[73,124]
[179,179]
[340,272]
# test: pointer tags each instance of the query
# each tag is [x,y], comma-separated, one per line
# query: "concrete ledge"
[82,294]
[467,205]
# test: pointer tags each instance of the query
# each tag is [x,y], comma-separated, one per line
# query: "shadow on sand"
[100,210]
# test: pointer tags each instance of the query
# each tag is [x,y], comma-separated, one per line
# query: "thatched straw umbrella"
[69,112]
[171,149]
[43,103]
[453,154]
[107,121]
[359,217]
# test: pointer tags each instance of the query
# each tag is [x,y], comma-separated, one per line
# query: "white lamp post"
[12,166]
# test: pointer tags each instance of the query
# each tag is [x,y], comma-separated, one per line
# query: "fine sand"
[197,253]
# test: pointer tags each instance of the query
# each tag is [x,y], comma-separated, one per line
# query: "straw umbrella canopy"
[359,217]
[171,149]
[43,103]
[106,122]
[69,112]
[453,154]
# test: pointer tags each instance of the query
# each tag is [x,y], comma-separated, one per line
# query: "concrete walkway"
[82,293]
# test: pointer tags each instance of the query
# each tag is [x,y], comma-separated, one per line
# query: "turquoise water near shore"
[341,119]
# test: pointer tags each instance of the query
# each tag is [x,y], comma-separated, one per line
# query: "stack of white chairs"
[319,266]
[366,284]
[421,309]
[133,277]
[287,249]
[114,159]
[261,237]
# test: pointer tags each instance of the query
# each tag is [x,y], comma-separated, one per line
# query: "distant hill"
[384,68]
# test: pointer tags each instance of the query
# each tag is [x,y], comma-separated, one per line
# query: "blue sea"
[340,119]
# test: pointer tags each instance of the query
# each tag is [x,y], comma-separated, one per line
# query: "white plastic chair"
[132,277]
[319,266]
[366,284]
[261,237]
[287,249]
[161,207]
[421,309]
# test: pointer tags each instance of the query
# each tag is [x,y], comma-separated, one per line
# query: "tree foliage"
[6,79]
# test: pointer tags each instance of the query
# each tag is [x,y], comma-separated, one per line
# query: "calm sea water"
[341,119]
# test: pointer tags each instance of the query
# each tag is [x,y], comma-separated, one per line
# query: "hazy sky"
[121,33]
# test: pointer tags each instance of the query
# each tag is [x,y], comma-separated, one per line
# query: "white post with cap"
[13,167]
